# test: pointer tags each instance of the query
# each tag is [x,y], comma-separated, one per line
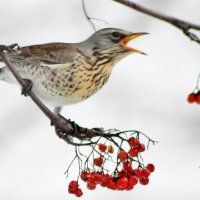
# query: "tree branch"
[183,25]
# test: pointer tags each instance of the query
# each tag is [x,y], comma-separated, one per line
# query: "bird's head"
[111,42]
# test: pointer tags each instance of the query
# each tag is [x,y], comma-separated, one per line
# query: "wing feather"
[46,54]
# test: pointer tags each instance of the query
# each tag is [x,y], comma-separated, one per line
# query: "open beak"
[125,41]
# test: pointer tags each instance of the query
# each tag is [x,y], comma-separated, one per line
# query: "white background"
[147,93]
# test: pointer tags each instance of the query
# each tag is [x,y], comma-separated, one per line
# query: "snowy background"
[147,93]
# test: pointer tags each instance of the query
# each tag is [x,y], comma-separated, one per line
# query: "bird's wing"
[51,53]
[46,54]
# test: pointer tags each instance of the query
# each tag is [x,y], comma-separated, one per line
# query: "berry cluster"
[125,179]
[194,97]
[124,159]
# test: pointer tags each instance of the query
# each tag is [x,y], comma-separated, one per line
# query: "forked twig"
[91,19]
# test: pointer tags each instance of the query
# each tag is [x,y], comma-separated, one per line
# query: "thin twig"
[183,25]
[91,19]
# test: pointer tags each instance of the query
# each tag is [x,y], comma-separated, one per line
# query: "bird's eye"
[116,35]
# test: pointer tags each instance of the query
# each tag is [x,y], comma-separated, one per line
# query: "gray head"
[110,41]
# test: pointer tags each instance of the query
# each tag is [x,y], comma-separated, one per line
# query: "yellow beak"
[125,41]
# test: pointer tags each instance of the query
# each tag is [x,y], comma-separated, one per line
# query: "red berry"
[92,175]
[98,177]
[150,167]
[110,149]
[137,172]
[91,183]
[145,173]
[102,147]
[122,155]
[91,186]
[127,165]
[91,179]
[98,161]
[104,179]
[133,152]
[84,175]
[192,98]
[141,147]
[144,181]
[111,184]
[122,183]
[133,180]
[122,173]
[129,187]
[198,98]
[134,142]
[79,192]
[73,187]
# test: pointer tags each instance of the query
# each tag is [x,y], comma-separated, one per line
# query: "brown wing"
[50,53]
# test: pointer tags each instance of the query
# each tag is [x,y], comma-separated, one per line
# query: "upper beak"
[125,40]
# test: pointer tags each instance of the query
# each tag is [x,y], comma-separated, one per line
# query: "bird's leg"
[27,87]
[57,110]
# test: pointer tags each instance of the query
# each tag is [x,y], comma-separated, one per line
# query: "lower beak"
[125,41]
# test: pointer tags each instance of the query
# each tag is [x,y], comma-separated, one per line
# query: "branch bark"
[183,25]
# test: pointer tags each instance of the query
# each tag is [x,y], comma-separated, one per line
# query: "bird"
[68,73]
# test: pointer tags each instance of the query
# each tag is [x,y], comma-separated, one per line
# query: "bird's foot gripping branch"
[109,158]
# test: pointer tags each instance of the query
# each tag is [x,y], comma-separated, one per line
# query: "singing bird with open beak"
[68,73]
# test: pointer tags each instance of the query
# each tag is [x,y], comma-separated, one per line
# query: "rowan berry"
[98,161]
[79,192]
[110,149]
[84,175]
[73,187]
[104,179]
[122,183]
[192,98]
[144,180]
[198,98]
[137,172]
[102,147]
[134,142]
[133,180]
[127,165]
[145,173]
[111,184]
[91,183]
[133,152]
[150,167]
[122,155]
[141,147]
